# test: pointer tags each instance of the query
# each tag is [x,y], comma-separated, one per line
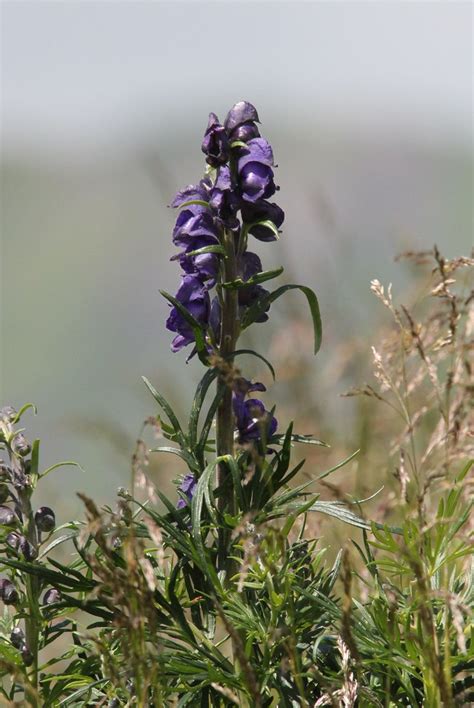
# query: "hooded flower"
[255,172]
[248,266]
[188,487]
[252,420]
[241,121]
[223,199]
[215,144]
[194,296]
[262,210]
[204,265]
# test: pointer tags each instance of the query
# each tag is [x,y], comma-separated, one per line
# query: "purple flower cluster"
[233,198]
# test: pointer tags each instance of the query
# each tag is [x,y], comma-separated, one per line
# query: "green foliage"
[234,604]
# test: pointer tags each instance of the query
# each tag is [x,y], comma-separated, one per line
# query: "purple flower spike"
[255,170]
[188,487]
[215,145]
[262,211]
[194,296]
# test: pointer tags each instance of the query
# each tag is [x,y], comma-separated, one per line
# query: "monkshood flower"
[241,121]
[249,265]
[188,487]
[193,295]
[224,200]
[261,210]
[204,265]
[254,167]
[216,144]
[252,421]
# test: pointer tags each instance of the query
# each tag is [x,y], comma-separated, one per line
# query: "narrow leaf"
[259,307]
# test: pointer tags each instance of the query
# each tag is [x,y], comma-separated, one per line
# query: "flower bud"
[8,592]
[28,551]
[17,637]
[245,132]
[5,472]
[8,414]
[215,144]
[21,445]
[7,516]
[26,655]
[13,540]
[4,492]
[45,519]
[52,595]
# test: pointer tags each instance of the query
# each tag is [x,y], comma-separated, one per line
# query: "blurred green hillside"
[86,246]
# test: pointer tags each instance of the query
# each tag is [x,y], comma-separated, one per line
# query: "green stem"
[33,619]
[225,416]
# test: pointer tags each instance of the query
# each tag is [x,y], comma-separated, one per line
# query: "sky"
[82,74]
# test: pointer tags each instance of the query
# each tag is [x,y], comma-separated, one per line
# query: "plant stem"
[33,619]
[229,334]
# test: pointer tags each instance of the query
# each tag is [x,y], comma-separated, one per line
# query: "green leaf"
[197,404]
[197,328]
[206,249]
[163,403]
[267,224]
[22,410]
[199,202]
[183,454]
[305,439]
[56,579]
[196,513]
[265,275]
[66,463]
[341,512]
[259,356]
[258,308]
[338,466]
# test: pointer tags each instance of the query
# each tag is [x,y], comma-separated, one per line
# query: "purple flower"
[252,420]
[193,192]
[215,145]
[194,296]
[224,200]
[204,265]
[248,266]
[262,211]
[188,487]
[191,226]
[240,122]
[255,172]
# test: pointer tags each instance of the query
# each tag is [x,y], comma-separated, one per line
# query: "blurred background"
[368,107]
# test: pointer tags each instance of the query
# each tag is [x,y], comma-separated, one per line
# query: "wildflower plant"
[219,596]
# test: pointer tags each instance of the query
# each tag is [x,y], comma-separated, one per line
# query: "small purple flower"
[252,420]
[204,265]
[215,145]
[193,192]
[224,200]
[194,296]
[255,172]
[191,226]
[188,487]
[262,211]
[248,266]
[240,122]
